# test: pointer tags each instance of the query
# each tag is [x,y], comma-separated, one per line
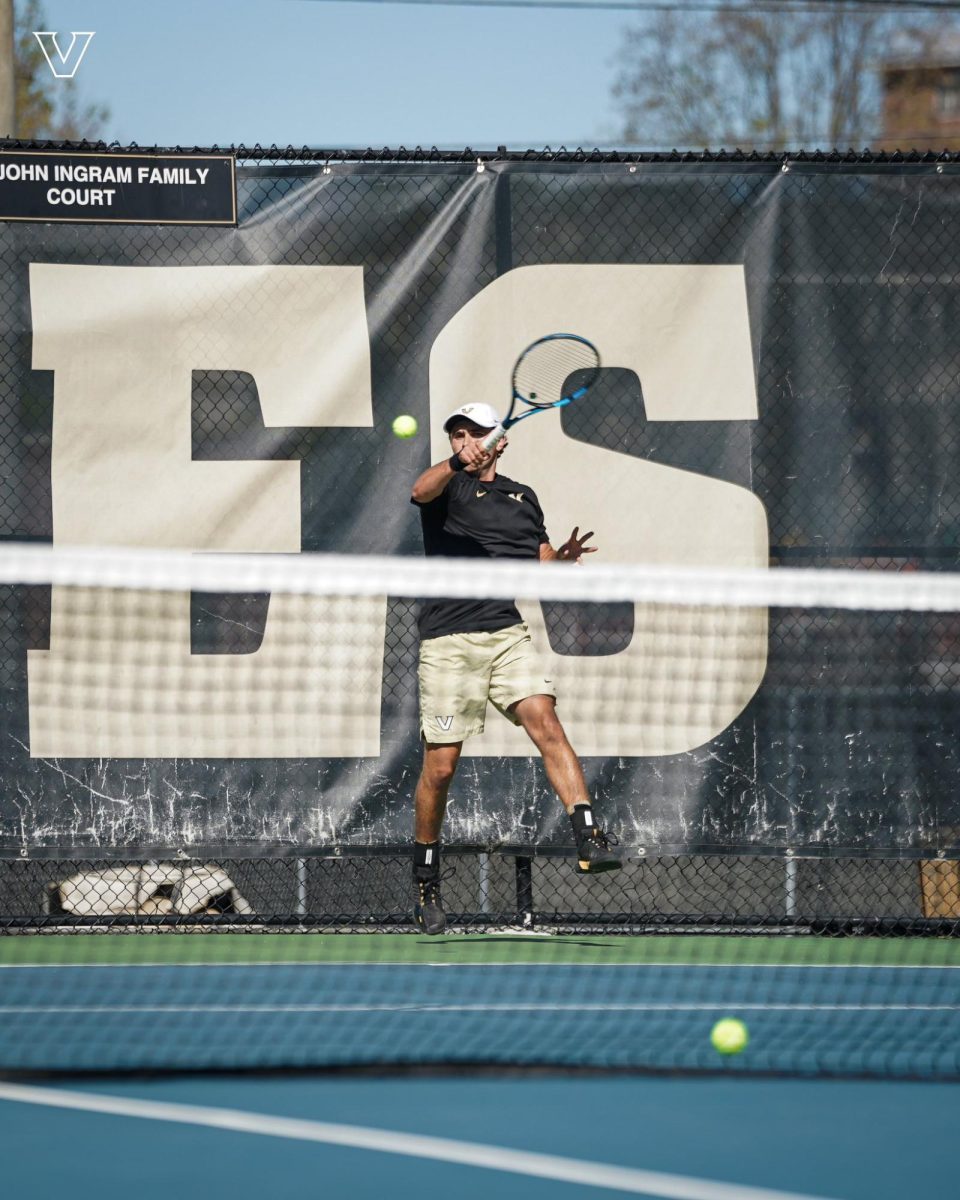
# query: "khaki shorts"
[460,672]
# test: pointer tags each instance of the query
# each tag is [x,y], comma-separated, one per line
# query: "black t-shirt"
[470,519]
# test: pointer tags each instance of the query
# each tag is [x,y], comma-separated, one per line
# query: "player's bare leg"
[430,804]
[538,716]
[430,799]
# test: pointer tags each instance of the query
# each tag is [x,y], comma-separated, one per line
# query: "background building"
[921,98]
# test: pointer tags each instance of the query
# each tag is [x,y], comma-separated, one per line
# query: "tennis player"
[475,651]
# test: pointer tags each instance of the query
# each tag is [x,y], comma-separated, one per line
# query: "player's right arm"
[433,482]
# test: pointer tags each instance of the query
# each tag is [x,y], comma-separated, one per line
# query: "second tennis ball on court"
[729,1036]
[404,426]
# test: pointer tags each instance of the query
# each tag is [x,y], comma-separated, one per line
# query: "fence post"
[524,867]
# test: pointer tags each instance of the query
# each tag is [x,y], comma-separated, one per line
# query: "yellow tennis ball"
[729,1036]
[404,426]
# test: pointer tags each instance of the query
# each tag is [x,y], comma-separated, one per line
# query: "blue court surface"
[249,1138]
[813,1007]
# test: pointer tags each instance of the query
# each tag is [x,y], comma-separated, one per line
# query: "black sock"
[426,859]
[582,821]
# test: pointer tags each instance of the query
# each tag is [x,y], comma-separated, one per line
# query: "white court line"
[713,1006]
[525,965]
[471,1154]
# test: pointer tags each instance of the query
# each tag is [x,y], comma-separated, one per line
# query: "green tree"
[47,107]
[752,77]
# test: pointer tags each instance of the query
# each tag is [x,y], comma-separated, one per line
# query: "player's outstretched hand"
[575,546]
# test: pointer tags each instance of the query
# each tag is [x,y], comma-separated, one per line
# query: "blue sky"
[323,73]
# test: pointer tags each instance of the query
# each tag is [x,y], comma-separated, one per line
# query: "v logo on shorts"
[444,722]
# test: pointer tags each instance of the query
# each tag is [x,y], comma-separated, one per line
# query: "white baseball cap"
[480,414]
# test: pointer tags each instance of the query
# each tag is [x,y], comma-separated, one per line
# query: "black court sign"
[131,189]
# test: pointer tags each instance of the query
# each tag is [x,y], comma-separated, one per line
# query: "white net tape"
[371,575]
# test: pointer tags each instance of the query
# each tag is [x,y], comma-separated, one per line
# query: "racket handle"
[494,436]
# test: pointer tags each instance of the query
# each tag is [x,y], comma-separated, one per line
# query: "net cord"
[407,576]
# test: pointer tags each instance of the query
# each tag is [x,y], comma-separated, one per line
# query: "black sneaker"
[428,910]
[596,853]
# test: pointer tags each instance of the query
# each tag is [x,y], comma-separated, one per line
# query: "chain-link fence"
[483,891]
[847,752]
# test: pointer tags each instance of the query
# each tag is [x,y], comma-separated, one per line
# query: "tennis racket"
[552,372]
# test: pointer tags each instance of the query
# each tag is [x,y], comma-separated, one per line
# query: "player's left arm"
[572,549]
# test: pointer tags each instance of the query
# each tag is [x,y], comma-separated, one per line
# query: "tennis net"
[228,745]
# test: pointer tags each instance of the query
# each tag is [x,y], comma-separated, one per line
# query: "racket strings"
[554,369]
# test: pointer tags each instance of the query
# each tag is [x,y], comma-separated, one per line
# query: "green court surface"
[505,948]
